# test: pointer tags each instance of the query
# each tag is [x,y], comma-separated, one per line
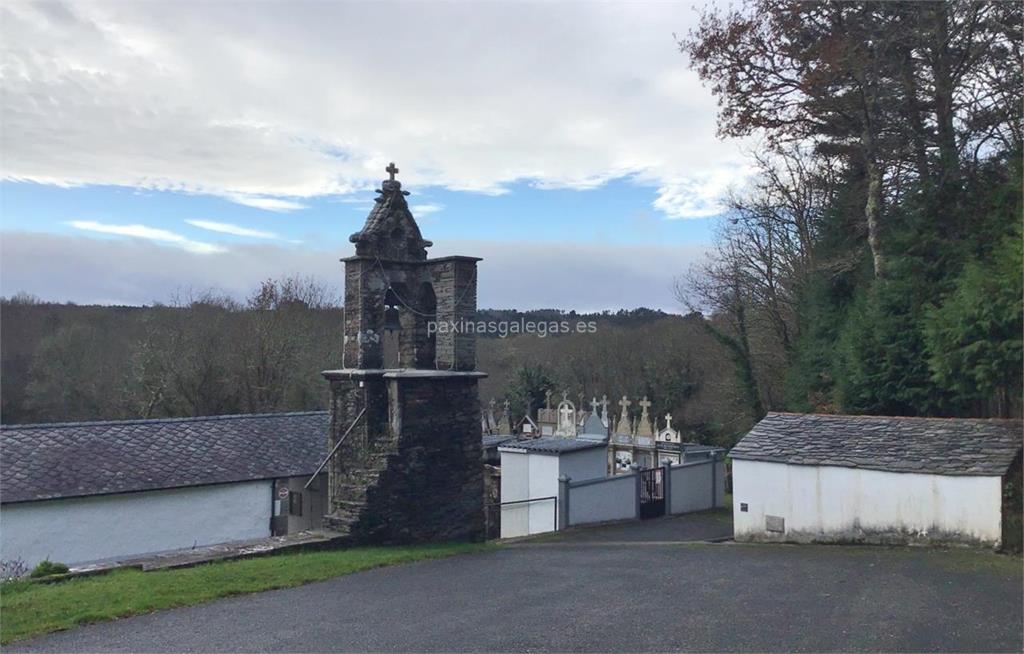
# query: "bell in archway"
[391,320]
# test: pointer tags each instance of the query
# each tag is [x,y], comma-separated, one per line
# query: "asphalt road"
[592,596]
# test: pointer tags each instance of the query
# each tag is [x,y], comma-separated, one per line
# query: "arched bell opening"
[391,328]
[392,306]
[426,327]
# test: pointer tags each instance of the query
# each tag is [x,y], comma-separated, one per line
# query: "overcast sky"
[150,147]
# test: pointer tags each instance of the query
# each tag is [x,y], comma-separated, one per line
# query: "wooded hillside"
[210,355]
[875,264]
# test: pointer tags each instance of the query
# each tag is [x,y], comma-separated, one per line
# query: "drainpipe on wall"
[636,491]
[666,486]
[714,480]
[562,512]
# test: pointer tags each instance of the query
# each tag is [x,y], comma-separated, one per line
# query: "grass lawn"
[29,609]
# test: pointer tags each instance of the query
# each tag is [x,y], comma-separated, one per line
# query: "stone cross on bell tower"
[390,284]
[405,433]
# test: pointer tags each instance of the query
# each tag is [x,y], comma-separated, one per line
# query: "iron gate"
[652,493]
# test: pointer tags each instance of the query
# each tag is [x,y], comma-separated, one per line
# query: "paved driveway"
[580,594]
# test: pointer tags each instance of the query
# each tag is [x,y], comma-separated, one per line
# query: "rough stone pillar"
[454,283]
[364,314]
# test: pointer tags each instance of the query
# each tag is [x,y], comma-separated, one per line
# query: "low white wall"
[829,503]
[613,498]
[78,530]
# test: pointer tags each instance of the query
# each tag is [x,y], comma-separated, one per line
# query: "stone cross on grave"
[567,413]
[594,404]
[668,421]
[391,170]
[547,399]
[645,404]
[624,428]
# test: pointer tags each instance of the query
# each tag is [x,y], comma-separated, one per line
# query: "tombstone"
[624,428]
[623,460]
[528,428]
[668,434]
[405,434]
[566,419]
[643,423]
[547,418]
[593,428]
[490,420]
[505,422]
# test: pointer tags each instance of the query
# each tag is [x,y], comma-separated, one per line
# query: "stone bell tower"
[406,462]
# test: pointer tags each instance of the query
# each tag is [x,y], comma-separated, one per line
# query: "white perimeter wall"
[613,498]
[833,503]
[84,529]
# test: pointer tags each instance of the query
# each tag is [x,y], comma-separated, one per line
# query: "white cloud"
[149,234]
[268,204]
[700,196]
[424,210]
[228,228]
[280,102]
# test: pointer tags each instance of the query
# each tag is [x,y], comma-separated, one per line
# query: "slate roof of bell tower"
[390,231]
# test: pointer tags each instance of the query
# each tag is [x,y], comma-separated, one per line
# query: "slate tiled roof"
[494,440]
[944,446]
[46,461]
[553,445]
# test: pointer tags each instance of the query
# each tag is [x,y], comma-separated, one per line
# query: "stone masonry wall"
[432,488]
[454,282]
[355,465]
[410,471]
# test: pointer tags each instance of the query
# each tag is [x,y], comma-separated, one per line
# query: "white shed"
[839,478]
[529,477]
[91,491]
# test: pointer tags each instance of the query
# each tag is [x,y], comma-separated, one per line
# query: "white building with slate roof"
[92,491]
[836,478]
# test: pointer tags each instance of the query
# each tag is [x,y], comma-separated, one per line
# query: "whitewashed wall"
[532,475]
[77,530]
[528,476]
[837,504]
